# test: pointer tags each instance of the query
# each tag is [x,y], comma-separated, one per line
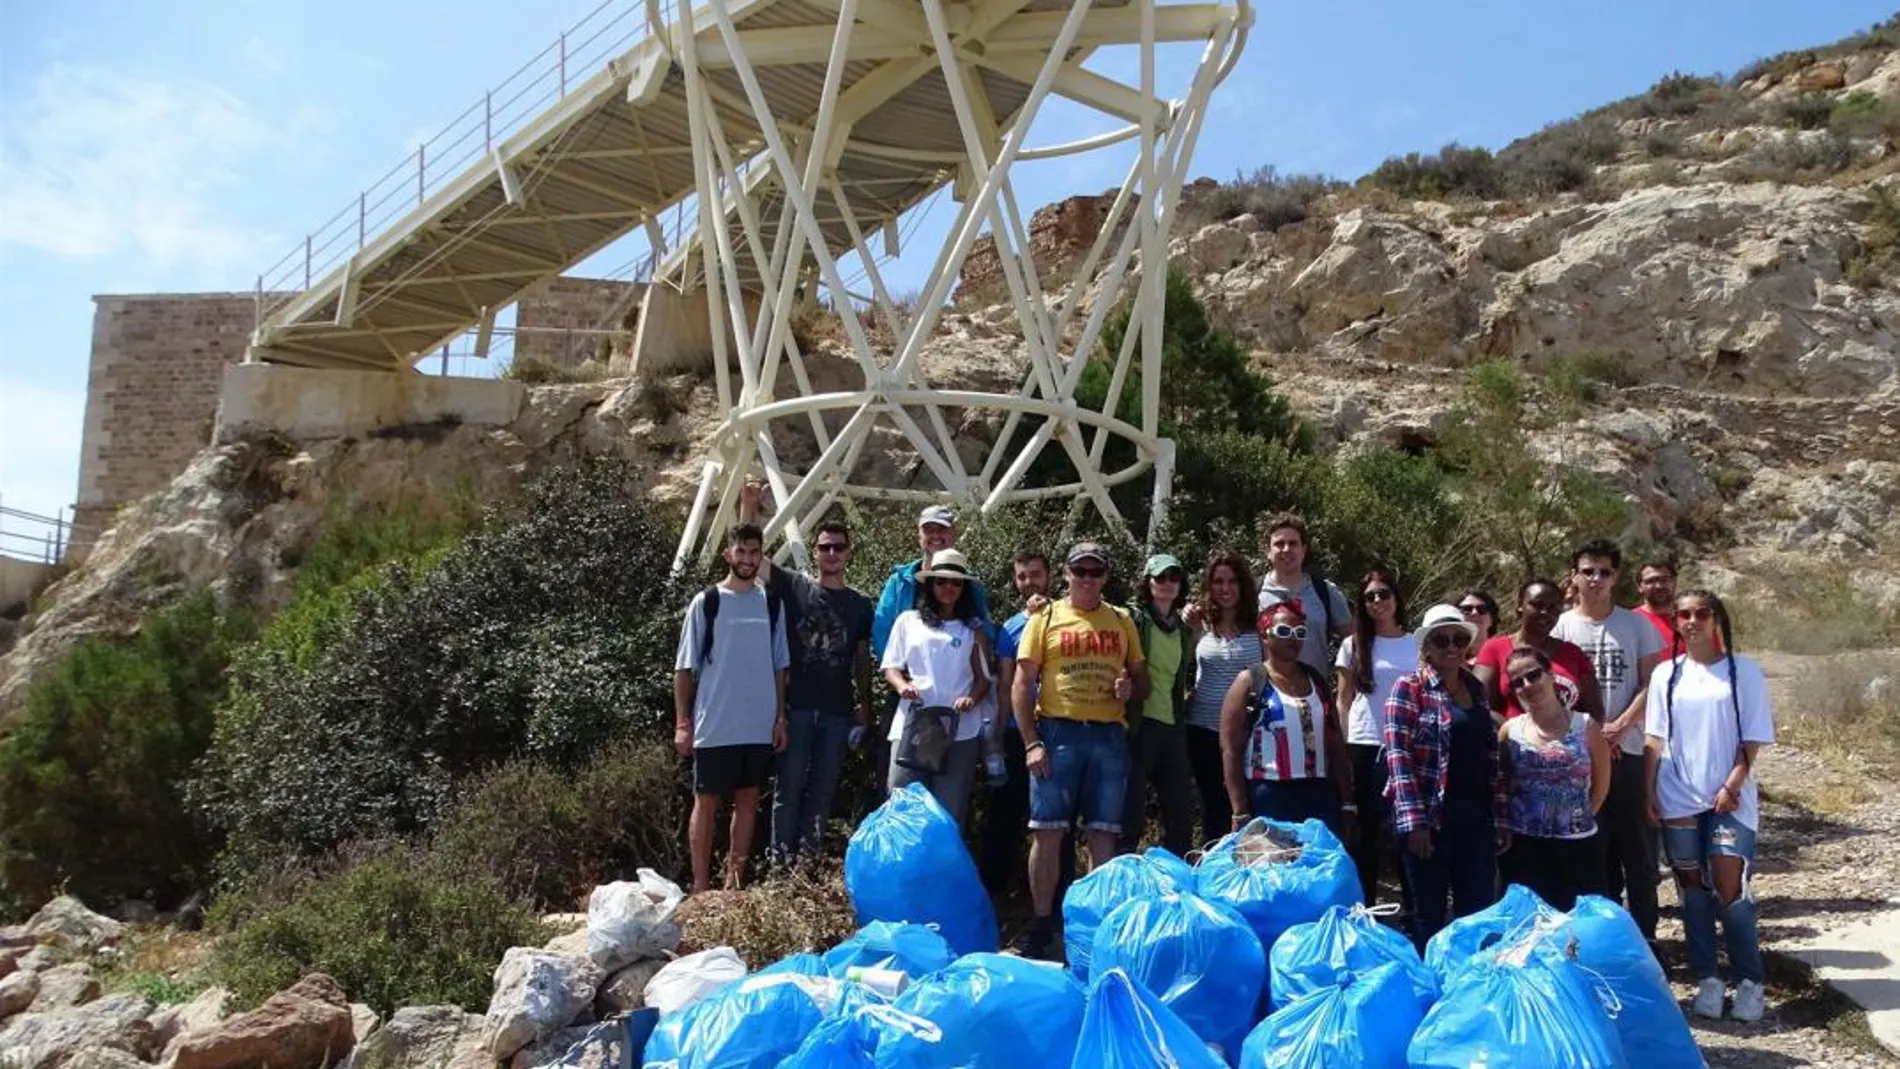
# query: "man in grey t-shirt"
[1623,649]
[729,702]
[1286,580]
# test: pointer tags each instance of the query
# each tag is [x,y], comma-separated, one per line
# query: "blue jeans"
[808,770]
[1088,776]
[1689,849]
[1294,800]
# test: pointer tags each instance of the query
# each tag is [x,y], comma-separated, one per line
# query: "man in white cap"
[936,531]
[1077,667]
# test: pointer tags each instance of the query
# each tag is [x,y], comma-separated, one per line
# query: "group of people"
[1565,755]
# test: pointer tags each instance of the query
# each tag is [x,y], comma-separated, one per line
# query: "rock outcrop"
[306,1026]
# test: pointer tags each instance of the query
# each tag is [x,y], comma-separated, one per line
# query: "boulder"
[17,992]
[600,1046]
[204,1010]
[10,959]
[39,959]
[65,922]
[305,1026]
[626,989]
[363,1022]
[49,1040]
[103,1058]
[536,994]
[65,986]
[425,1037]
[1216,247]
[16,937]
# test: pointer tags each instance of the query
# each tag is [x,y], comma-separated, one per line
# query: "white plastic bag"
[629,921]
[693,978]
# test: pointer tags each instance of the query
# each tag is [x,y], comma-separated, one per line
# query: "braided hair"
[1679,650]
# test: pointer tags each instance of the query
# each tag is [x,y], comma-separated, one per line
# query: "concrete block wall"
[152,393]
[546,314]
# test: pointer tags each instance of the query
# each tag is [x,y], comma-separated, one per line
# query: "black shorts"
[724,769]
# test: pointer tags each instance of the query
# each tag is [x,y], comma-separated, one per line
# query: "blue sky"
[184,146]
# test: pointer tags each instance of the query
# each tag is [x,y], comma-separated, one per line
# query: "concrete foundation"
[19,579]
[675,332]
[307,403]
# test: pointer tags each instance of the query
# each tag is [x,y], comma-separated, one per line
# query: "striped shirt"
[1218,662]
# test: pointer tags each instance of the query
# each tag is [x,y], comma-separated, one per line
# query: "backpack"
[709,613]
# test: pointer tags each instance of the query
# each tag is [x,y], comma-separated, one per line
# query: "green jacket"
[1183,679]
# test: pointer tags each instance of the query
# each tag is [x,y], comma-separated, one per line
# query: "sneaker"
[1708,998]
[1750,1001]
[1037,942]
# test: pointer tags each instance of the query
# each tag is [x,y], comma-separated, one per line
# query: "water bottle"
[995,769]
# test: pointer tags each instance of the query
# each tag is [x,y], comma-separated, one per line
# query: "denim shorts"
[1712,835]
[1088,776]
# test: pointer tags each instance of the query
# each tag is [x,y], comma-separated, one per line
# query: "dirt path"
[1828,854]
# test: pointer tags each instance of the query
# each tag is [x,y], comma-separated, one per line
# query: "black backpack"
[709,613]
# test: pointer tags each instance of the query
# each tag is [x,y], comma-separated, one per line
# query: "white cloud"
[262,56]
[39,457]
[96,165]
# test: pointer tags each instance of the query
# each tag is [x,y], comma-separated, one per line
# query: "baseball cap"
[941,515]
[1161,562]
[1082,551]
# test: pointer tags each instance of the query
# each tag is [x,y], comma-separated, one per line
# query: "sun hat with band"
[1441,617]
[947,564]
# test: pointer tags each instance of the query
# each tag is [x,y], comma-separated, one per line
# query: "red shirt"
[1664,625]
[1566,658]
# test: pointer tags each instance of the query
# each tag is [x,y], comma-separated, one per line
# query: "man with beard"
[1657,584]
[729,701]
[1001,849]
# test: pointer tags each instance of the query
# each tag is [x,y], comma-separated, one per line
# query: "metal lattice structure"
[785,138]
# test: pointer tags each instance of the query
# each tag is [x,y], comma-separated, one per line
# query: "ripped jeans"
[1689,850]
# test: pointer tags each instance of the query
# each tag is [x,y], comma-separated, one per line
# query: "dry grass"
[163,963]
[796,908]
[1850,717]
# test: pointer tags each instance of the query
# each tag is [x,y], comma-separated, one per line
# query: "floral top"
[1550,780]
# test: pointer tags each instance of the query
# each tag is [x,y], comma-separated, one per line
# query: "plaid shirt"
[1418,750]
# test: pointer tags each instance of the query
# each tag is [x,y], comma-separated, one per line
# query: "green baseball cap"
[1162,562]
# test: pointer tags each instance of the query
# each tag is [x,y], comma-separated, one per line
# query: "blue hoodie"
[900,596]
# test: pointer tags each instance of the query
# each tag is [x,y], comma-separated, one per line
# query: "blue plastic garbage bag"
[755,1023]
[802,964]
[1361,1023]
[912,949]
[668,1040]
[1127,1027]
[1275,892]
[1172,864]
[842,1042]
[1196,956]
[986,1011]
[1655,1034]
[1338,947]
[907,862]
[1459,942]
[1093,897]
[1522,1006]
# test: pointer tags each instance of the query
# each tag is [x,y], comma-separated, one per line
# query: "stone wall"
[554,321]
[152,393]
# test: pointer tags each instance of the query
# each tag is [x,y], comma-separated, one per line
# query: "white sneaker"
[1709,995]
[1750,1001]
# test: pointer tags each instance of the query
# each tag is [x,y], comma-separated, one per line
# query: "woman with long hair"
[1442,759]
[936,661]
[1227,646]
[1708,718]
[1157,745]
[1556,768]
[1371,660]
[1482,610]
[1539,603]
[1283,753]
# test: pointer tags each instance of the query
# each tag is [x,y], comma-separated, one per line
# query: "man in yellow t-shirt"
[1086,656]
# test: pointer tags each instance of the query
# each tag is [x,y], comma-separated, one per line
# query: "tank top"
[1289,734]
[1550,781]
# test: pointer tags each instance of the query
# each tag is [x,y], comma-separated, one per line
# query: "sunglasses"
[1449,640]
[1088,573]
[1168,577]
[1700,612]
[1528,679]
[1596,573]
[1474,610]
[1376,595]
[1293,631]
[833,547]
[946,582]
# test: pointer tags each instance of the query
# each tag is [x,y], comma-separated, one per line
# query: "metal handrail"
[48,535]
[603,34]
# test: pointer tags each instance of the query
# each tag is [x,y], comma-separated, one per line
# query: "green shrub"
[1809,111]
[1455,171]
[1679,95]
[1276,200]
[548,836]
[533,372]
[91,768]
[1877,261]
[393,931]
[1560,158]
[542,637]
[1865,114]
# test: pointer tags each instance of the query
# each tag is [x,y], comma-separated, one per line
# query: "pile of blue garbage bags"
[1260,962]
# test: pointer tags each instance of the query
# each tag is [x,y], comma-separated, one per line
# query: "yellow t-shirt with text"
[1080,655]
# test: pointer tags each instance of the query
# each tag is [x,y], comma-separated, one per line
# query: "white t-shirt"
[1698,728]
[1391,658]
[938,660]
[1616,646]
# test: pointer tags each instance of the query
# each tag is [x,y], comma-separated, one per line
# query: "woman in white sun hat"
[1448,810]
[936,662]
